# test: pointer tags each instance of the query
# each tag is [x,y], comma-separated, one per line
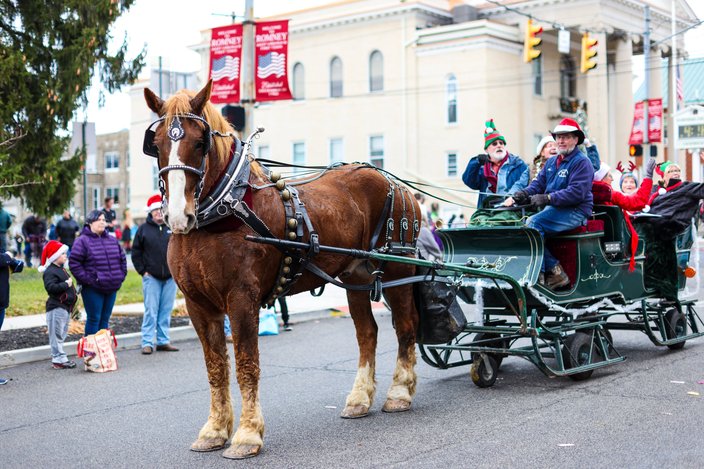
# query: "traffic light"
[588,53]
[635,150]
[531,41]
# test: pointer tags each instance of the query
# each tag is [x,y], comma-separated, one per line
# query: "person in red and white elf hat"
[62,299]
[497,171]
[676,201]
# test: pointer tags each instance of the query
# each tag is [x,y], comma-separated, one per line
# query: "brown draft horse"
[222,273]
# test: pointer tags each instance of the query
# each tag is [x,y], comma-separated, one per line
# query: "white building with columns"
[409,84]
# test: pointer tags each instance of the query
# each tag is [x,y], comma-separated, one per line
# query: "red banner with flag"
[655,120]
[225,61]
[636,137]
[271,51]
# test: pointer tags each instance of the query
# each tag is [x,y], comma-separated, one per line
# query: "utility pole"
[646,60]
[672,151]
[85,162]
[248,67]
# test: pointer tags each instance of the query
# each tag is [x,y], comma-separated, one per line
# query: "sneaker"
[3,381]
[287,327]
[556,278]
[147,350]
[64,366]
[166,348]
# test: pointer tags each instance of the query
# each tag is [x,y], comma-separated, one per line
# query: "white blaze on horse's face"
[178,220]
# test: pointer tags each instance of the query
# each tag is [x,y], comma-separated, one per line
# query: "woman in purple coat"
[99,265]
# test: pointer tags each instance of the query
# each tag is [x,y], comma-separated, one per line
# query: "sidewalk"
[302,307]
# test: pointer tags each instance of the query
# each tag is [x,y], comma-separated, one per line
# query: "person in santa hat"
[62,298]
[676,201]
[497,171]
[564,188]
[149,259]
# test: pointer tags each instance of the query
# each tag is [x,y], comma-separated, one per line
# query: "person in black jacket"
[62,298]
[66,230]
[149,258]
[8,264]
[676,201]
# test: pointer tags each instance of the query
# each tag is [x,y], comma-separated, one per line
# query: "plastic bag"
[268,324]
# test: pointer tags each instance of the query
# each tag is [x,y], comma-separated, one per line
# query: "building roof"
[692,74]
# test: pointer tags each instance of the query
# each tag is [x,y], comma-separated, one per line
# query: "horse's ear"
[199,100]
[154,102]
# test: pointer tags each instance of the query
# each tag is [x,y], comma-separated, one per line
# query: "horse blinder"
[175,133]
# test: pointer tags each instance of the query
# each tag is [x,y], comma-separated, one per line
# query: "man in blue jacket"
[564,188]
[496,171]
[149,258]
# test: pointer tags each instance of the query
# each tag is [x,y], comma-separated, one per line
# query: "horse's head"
[181,139]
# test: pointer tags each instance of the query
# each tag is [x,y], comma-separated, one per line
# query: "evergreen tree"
[49,52]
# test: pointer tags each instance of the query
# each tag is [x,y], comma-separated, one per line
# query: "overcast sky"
[168,27]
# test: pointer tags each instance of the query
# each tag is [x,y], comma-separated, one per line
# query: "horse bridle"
[175,133]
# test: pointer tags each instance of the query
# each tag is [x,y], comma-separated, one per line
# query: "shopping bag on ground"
[268,325]
[98,351]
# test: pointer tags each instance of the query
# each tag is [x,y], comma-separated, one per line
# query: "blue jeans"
[57,321]
[98,308]
[553,220]
[159,296]
[228,329]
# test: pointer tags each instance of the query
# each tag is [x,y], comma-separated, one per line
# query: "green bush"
[27,294]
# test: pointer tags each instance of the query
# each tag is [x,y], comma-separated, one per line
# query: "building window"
[568,74]
[452,164]
[538,76]
[451,99]
[376,151]
[336,77]
[299,156]
[263,152]
[112,161]
[113,192]
[96,199]
[336,150]
[299,91]
[376,72]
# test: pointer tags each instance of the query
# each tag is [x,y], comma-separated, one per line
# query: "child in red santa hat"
[62,298]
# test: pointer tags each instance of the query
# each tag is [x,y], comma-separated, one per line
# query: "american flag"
[679,90]
[272,63]
[225,67]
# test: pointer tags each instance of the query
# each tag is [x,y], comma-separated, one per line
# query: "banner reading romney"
[225,60]
[271,50]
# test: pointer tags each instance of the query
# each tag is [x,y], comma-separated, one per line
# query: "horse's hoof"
[208,444]
[396,405]
[355,412]
[241,451]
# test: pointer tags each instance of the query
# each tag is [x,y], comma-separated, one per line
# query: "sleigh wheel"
[675,326]
[578,351]
[498,357]
[484,370]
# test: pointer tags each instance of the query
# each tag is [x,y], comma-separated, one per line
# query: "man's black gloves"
[650,167]
[539,200]
[521,198]
[483,158]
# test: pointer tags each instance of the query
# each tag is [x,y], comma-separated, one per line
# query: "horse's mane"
[180,103]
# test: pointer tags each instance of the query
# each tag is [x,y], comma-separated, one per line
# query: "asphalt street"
[635,414]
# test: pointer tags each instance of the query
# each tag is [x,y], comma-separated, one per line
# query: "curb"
[133,340]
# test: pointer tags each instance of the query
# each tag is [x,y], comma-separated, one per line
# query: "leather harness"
[231,196]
